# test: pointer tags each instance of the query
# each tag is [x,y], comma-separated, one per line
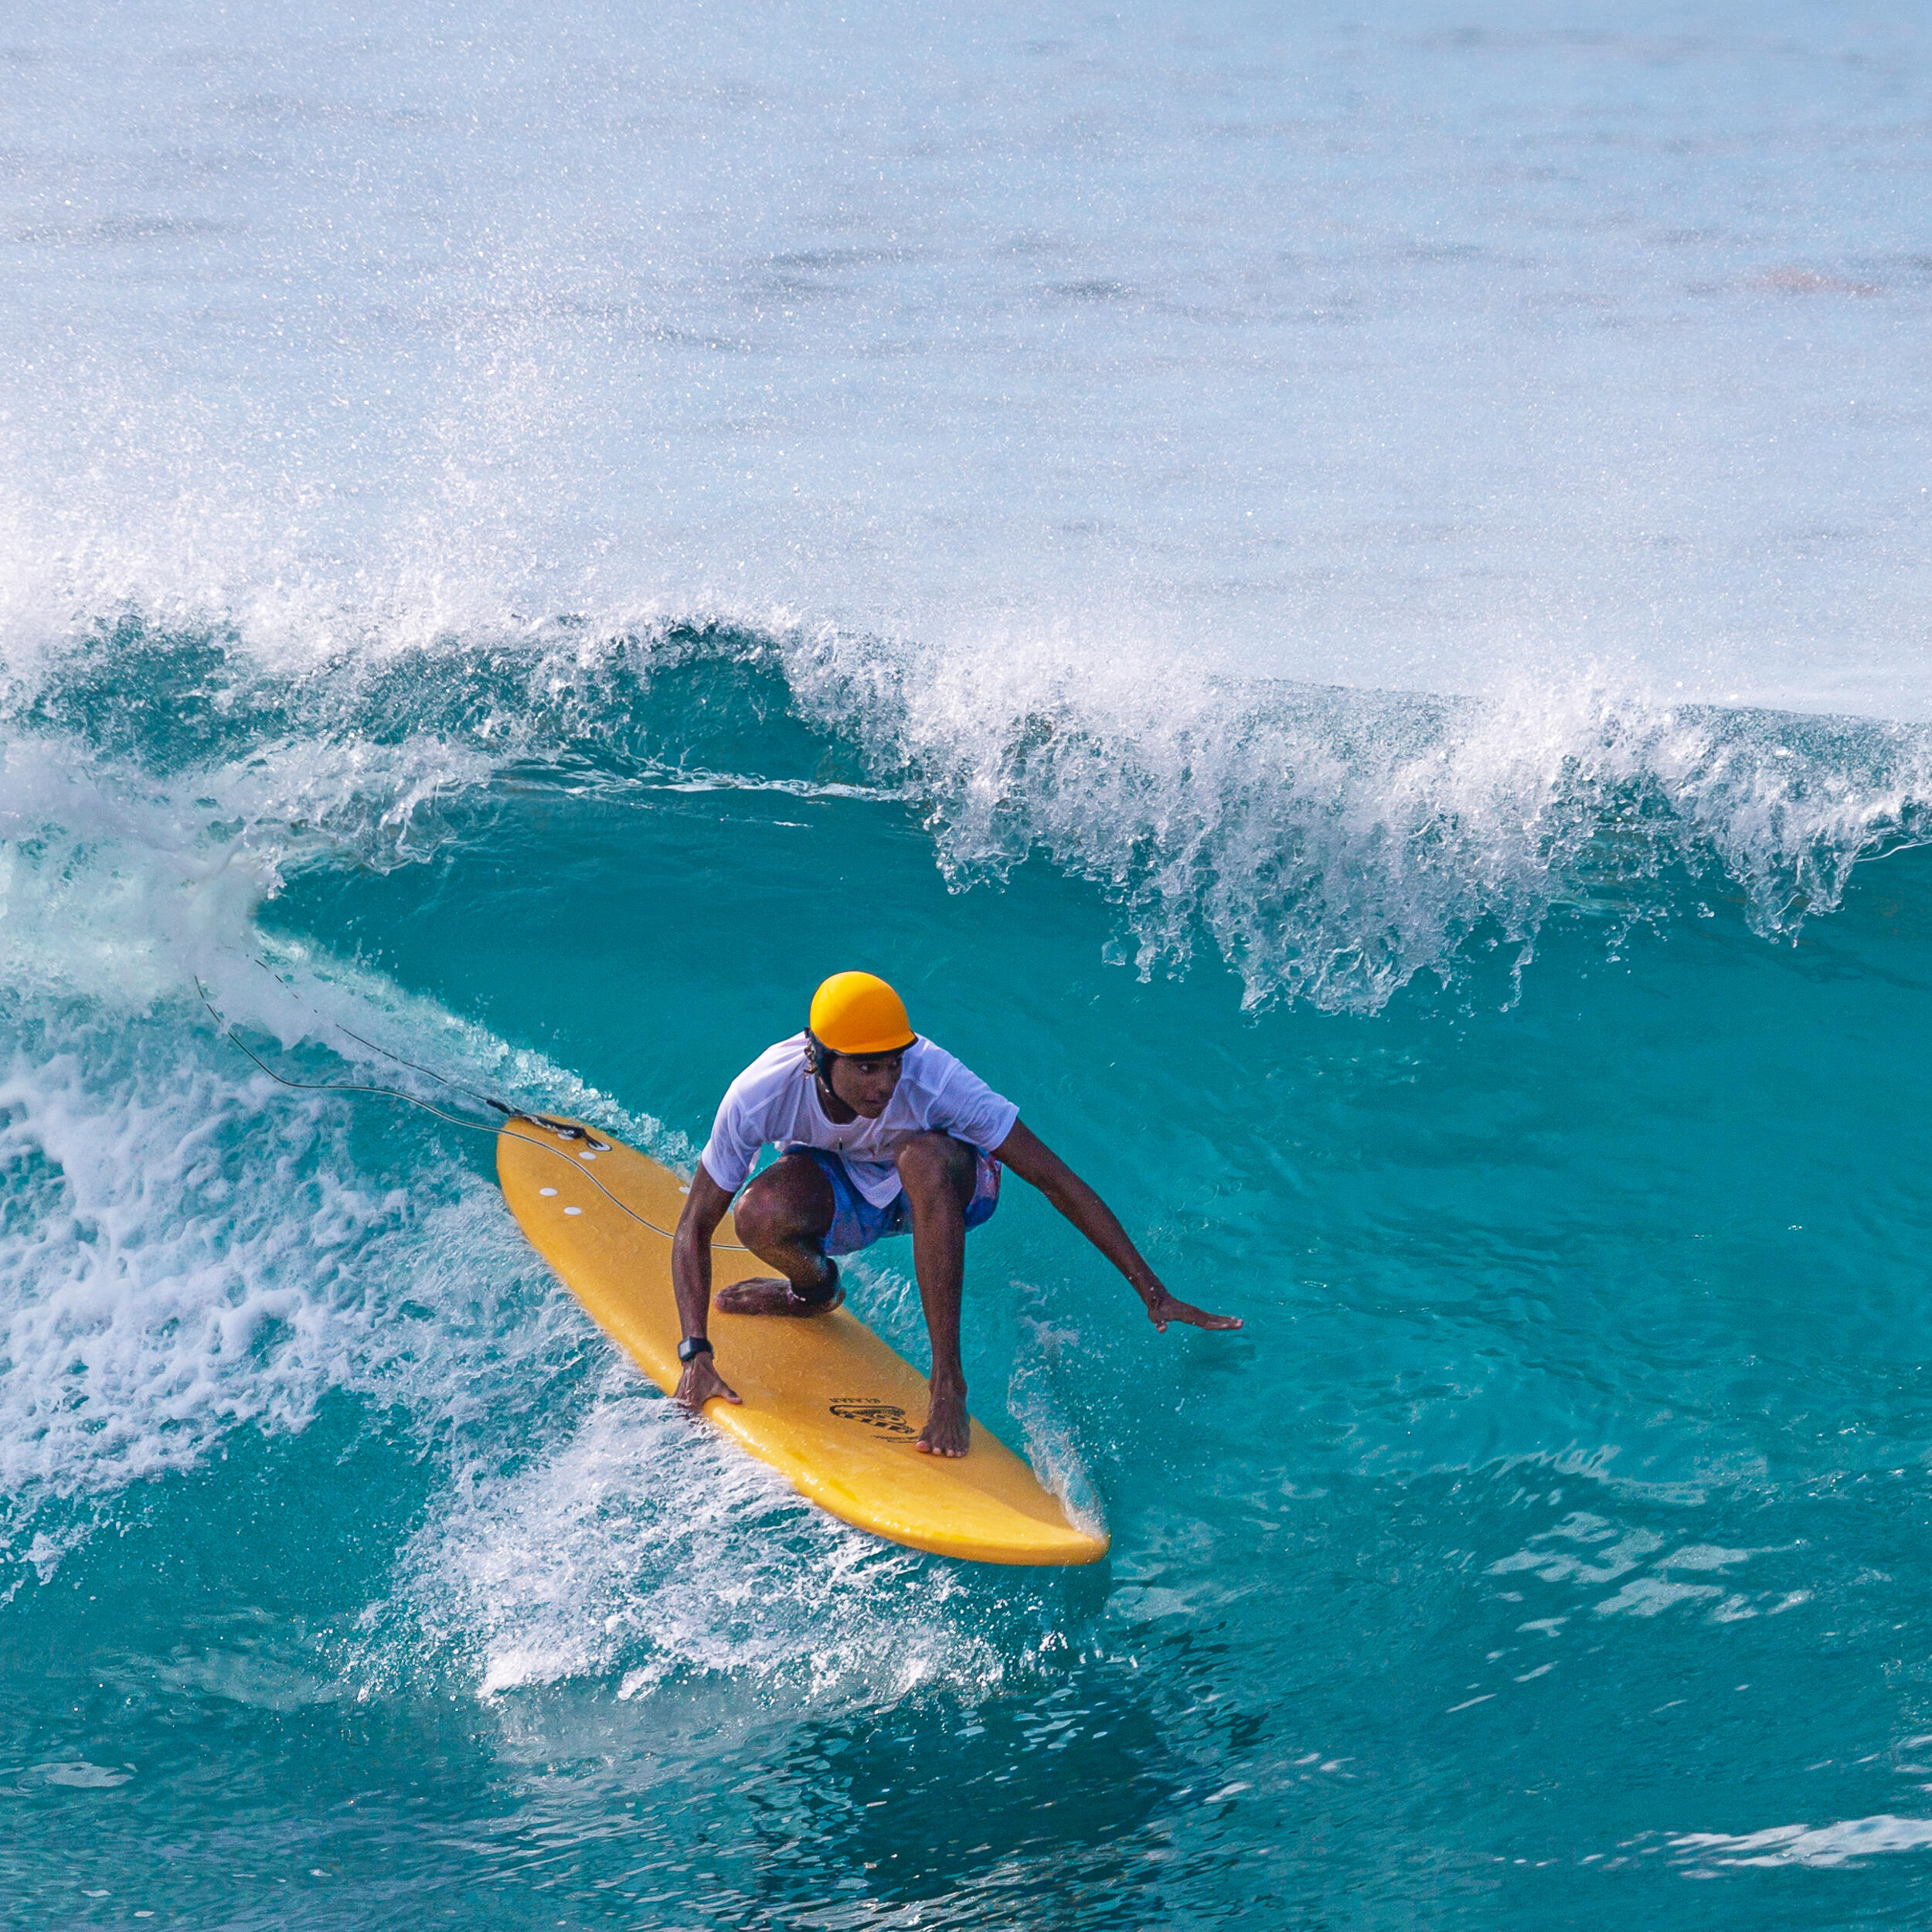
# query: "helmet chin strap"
[818,1057]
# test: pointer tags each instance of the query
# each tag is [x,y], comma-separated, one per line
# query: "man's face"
[865,1084]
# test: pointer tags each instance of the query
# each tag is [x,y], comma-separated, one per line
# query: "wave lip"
[1329,844]
[1332,844]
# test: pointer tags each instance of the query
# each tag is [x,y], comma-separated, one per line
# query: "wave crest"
[1332,844]
[1329,844]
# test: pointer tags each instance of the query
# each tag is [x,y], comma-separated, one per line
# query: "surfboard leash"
[566,1130]
[288,985]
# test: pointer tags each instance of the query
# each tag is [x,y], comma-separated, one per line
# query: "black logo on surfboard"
[887,1417]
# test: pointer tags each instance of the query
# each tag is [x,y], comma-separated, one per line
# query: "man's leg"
[784,1218]
[936,1172]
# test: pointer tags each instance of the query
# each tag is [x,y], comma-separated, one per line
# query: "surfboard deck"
[825,1401]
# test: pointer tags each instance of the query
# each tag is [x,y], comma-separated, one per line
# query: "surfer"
[879,1132]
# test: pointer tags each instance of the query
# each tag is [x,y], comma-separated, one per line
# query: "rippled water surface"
[1340,604]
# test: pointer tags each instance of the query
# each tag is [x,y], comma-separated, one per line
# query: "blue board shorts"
[856,1223]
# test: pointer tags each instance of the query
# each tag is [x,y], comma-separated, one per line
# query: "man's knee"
[929,1162]
[780,1208]
[757,1218]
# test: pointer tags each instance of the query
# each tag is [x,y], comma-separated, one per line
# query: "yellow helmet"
[859,1013]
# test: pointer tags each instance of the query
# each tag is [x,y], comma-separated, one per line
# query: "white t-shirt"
[775,1100]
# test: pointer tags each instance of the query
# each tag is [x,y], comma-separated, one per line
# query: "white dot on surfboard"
[546,1192]
[586,1157]
[573,1210]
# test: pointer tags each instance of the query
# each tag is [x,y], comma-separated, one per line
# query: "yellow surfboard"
[824,1399]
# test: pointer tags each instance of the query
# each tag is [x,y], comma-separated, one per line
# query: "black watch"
[691,1347]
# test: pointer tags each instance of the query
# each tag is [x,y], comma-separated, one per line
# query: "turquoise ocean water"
[1340,601]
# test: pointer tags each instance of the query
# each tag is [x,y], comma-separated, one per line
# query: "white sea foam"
[185,1247]
[632,1546]
[177,1262]
[151,1295]
[1820,1846]
[1033,1398]
[1333,844]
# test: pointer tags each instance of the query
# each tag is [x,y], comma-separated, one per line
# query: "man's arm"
[1031,1159]
[704,1208]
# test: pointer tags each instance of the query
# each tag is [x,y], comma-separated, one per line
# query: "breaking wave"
[1330,845]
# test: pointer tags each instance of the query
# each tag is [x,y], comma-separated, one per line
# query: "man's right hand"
[700,1382]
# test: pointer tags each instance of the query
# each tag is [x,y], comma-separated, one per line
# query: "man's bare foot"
[770,1295]
[947,1431]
